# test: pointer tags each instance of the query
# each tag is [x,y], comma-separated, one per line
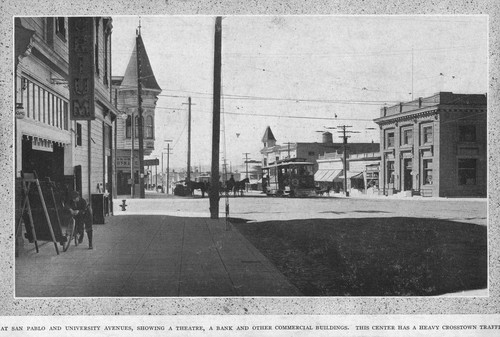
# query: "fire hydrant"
[124,205]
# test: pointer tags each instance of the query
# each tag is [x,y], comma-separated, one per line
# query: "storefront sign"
[81,68]
[123,163]
[20,112]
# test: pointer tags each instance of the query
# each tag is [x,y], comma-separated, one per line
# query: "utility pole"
[246,163]
[162,171]
[344,137]
[188,177]
[139,107]
[214,181]
[168,167]
[132,175]
[288,145]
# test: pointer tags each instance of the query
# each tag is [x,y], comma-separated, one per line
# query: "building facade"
[127,136]
[271,152]
[435,146]
[362,172]
[64,114]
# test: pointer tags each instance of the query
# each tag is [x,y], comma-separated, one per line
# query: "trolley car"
[289,177]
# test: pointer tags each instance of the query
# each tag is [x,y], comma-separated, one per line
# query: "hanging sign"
[81,67]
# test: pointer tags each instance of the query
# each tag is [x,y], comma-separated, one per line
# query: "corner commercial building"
[435,146]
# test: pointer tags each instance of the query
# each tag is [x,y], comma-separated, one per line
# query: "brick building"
[435,146]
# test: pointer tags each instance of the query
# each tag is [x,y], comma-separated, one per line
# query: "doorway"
[407,176]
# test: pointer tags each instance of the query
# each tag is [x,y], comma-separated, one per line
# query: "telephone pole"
[188,177]
[139,107]
[214,183]
[246,164]
[344,137]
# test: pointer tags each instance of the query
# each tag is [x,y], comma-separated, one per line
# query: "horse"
[240,186]
[198,185]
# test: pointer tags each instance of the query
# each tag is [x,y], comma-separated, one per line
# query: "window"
[78,134]
[128,127]
[149,127]
[467,133]
[427,134]
[407,137]
[96,46]
[390,172]
[61,28]
[106,42]
[427,171]
[389,139]
[311,153]
[66,115]
[136,127]
[467,171]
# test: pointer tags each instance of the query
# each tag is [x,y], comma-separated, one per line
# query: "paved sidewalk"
[152,256]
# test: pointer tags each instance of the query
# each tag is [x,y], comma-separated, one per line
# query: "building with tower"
[125,89]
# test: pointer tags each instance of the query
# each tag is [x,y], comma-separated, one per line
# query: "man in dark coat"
[80,211]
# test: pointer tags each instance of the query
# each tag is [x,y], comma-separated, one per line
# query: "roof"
[268,135]
[147,75]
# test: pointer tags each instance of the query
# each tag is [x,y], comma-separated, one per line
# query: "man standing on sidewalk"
[80,211]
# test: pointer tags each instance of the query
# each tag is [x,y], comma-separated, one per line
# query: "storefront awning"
[29,128]
[350,175]
[326,175]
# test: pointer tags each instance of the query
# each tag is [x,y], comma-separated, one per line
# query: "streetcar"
[289,177]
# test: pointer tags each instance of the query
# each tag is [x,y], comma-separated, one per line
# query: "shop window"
[427,171]
[467,171]
[407,136]
[427,135]
[389,139]
[61,28]
[78,134]
[467,133]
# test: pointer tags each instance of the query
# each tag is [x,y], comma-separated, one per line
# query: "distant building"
[435,146]
[125,91]
[362,172]
[271,152]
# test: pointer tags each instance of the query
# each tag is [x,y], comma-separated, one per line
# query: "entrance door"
[407,176]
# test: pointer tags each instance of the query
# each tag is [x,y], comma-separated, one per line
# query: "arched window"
[149,127]
[136,127]
[128,127]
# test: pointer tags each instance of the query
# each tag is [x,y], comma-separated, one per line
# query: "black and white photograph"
[269,172]
[251,156]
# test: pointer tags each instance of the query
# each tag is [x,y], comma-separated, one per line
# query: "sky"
[297,74]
